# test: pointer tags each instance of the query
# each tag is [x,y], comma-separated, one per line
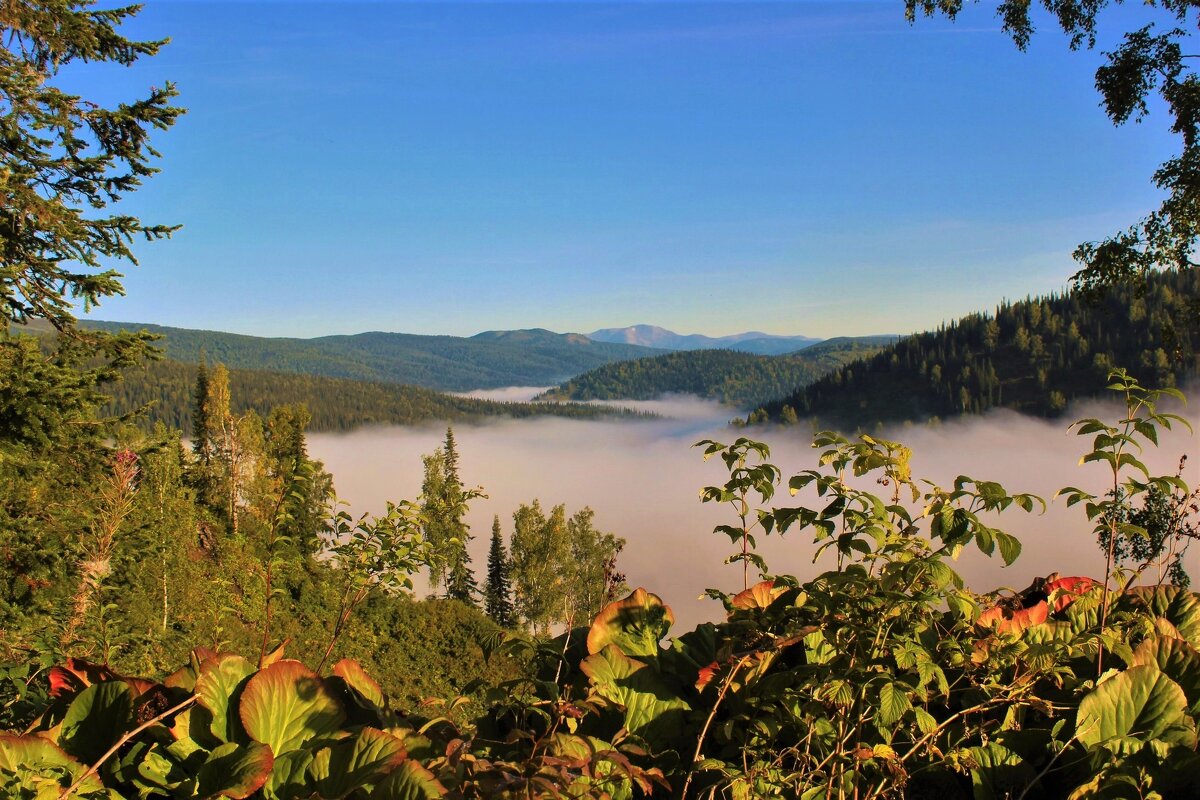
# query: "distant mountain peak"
[656,336]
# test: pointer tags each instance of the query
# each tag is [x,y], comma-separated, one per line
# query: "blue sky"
[813,168]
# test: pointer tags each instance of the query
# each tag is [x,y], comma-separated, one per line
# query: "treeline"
[129,547]
[731,377]
[1034,356]
[164,389]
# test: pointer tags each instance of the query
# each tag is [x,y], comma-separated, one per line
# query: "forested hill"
[446,363]
[1033,356]
[336,404]
[734,378]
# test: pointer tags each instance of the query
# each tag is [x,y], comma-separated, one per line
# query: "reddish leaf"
[1064,591]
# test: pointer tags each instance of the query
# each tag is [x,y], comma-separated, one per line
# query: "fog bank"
[643,477]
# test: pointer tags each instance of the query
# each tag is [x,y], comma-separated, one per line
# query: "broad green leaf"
[286,705]
[1178,606]
[1000,772]
[1140,702]
[635,624]
[148,767]
[289,777]
[217,690]
[926,722]
[893,703]
[1010,547]
[235,771]
[1177,659]
[652,708]
[410,781]
[96,718]
[33,757]
[357,761]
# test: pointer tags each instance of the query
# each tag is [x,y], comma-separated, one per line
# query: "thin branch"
[704,731]
[121,743]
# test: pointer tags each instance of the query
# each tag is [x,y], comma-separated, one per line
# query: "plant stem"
[121,743]
[704,731]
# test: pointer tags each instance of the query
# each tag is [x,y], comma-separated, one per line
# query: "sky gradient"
[799,168]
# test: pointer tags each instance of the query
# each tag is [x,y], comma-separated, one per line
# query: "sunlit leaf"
[636,624]
[1140,702]
[410,781]
[235,771]
[217,691]
[286,705]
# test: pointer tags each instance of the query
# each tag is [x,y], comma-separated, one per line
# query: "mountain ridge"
[646,335]
[491,359]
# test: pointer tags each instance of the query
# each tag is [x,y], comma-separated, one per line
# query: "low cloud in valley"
[643,477]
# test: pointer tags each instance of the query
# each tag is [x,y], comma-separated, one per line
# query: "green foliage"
[1117,447]
[1033,356]
[444,503]
[497,592]
[733,378]
[563,569]
[375,554]
[66,158]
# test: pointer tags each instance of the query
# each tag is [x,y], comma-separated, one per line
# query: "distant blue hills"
[757,342]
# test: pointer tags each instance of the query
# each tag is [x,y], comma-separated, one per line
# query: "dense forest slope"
[734,378]
[1033,356]
[335,404]
[446,363]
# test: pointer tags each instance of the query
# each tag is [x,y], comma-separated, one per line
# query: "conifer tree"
[201,438]
[461,585]
[444,503]
[497,596]
[65,159]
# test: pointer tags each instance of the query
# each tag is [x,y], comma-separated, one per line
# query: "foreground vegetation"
[883,676]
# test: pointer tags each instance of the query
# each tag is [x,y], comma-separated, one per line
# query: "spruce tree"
[497,596]
[444,503]
[201,435]
[460,585]
[64,161]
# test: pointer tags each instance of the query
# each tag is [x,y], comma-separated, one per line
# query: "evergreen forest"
[163,388]
[738,379]
[1034,356]
[444,363]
